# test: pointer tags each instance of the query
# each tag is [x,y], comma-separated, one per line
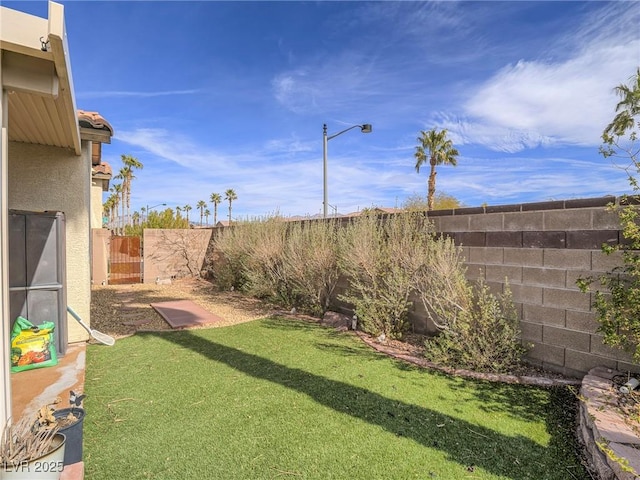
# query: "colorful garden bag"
[32,346]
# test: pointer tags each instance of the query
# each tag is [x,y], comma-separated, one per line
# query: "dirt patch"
[122,310]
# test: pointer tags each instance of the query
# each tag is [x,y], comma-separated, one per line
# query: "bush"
[618,306]
[311,263]
[441,285]
[484,337]
[381,258]
[232,248]
[389,262]
[289,263]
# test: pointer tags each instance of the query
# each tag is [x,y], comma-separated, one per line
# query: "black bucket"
[73,434]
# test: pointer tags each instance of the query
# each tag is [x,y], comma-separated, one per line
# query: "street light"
[364,128]
[154,206]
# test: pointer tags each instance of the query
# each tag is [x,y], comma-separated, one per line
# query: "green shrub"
[381,258]
[232,248]
[484,337]
[441,285]
[289,263]
[311,263]
[618,306]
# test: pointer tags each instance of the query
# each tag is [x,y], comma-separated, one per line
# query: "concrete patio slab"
[185,314]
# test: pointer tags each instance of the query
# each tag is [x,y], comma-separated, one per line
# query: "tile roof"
[93,120]
[102,168]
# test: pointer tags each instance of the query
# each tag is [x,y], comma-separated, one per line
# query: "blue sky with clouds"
[217,95]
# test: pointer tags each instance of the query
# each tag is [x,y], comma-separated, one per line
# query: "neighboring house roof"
[103,168]
[94,120]
[96,128]
[37,74]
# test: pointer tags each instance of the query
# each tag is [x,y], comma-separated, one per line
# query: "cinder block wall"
[541,249]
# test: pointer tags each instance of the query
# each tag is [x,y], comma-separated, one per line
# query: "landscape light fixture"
[364,128]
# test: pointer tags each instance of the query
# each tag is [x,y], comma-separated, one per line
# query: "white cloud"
[566,101]
[176,148]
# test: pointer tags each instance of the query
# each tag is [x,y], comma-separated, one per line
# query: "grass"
[278,398]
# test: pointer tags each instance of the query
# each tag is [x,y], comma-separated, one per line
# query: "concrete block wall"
[540,250]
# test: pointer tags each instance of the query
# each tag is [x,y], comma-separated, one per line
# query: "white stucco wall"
[55,179]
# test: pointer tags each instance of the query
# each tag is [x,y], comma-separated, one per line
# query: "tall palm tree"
[130,164]
[110,207]
[201,205]
[435,148]
[178,210]
[187,208]
[117,191]
[216,199]
[206,215]
[230,195]
[123,175]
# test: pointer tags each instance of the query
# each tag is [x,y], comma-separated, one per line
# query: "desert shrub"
[262,263]
[485,335]
[381,258]
[311,263]
[441,285]
[232,247]
[245,252]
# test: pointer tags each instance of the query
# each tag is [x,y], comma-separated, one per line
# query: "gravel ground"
[121,310]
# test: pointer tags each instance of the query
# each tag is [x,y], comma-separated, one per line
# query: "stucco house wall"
[96,203]
[55,179]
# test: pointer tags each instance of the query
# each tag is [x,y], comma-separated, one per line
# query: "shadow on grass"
[470,445]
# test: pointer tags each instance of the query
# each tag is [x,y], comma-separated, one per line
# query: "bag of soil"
[32,346]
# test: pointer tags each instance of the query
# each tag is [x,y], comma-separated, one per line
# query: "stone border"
[611,445]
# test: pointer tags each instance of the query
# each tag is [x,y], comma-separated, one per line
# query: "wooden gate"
[125,262]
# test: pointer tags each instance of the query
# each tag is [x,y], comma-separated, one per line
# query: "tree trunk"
[432,187]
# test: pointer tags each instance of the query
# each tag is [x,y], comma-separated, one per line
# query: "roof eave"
[60,49]
[39,66]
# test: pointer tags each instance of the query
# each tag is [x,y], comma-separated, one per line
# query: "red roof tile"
[93,120]
[103,168]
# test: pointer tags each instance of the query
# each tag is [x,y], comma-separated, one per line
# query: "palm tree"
[130,164]
[187,208]
[110,207]
[122,175]
[201,205]
[230,195]
[438,150]
[117,191]
[206,215]
[216,199]
[628,109]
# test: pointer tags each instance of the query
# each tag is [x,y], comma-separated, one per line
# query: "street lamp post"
[154,206]
[364,128]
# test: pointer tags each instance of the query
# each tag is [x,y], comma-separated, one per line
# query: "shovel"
[100,337]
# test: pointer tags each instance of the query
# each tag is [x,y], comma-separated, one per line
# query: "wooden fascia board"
[95,135]
[60,49]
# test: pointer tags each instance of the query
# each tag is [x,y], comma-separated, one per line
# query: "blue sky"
[217,95]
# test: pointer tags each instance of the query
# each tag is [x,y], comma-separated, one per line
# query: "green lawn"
[277,398]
